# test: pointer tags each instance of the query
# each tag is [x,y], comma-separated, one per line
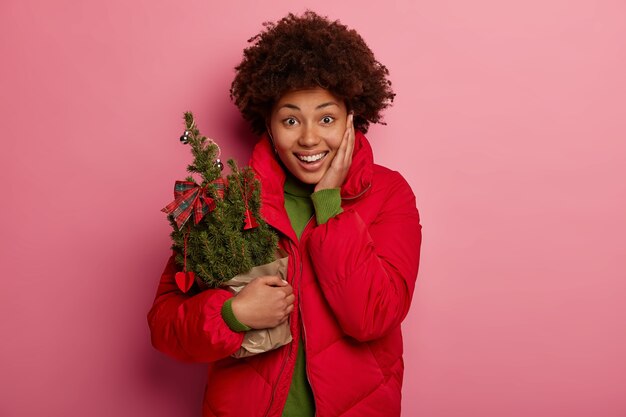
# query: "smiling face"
[307,127]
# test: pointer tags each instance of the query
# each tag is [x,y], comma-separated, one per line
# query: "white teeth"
[311,158]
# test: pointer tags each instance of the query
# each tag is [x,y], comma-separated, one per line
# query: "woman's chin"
[308,178]
[308,173]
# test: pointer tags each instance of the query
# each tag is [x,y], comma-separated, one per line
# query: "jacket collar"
[272,176]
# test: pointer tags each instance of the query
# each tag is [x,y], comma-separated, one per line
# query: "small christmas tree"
[218,231]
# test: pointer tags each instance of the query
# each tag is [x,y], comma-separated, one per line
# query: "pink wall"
[510,124]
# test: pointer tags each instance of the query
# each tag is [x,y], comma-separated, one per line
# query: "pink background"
[510,125]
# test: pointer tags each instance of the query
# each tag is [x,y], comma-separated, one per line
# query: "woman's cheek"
[336,141]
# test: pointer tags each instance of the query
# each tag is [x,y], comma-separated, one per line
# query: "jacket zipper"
[306,363]
[303,325]
[282,367]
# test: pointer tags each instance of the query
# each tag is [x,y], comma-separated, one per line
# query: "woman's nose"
[309,137]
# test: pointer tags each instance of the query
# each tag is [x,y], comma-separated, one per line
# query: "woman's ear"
[269,134]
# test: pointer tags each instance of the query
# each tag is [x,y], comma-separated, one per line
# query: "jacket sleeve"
[368,273]
[190,327]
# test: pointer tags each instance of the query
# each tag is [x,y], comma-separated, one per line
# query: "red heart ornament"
[184,280]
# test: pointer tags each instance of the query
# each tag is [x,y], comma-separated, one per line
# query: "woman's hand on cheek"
[339,166]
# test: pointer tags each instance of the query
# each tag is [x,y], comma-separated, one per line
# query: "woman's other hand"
[264,303]
[336,173]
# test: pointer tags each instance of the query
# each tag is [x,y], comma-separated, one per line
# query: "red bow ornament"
[192,200]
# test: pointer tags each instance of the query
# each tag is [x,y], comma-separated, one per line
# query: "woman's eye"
[290,121]
[327,119]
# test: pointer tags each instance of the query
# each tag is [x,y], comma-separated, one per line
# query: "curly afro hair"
[304,52]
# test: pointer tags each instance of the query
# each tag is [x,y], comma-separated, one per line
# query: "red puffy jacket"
[353,278]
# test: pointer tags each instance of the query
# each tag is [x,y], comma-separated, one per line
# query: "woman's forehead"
[308,98]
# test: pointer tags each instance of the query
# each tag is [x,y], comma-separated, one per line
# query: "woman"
[310,87]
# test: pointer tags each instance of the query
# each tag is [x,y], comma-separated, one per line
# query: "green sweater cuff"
[327,204]
[230,319]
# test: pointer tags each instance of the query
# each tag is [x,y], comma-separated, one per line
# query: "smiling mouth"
[310,159]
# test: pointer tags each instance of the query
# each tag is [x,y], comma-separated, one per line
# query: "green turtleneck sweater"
[300,203]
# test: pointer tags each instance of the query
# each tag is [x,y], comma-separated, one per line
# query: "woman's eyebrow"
[290,106]
[330,103]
